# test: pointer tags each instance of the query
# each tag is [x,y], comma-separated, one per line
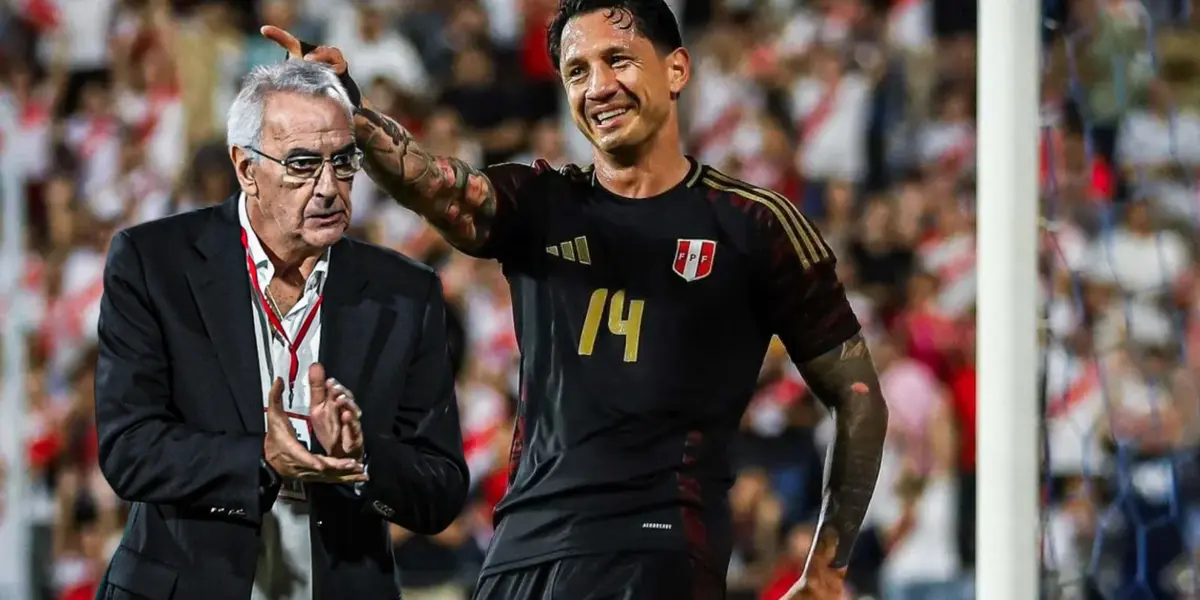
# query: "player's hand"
[334,415]
[821,581]
[291,459]
[297,49]
[304,50]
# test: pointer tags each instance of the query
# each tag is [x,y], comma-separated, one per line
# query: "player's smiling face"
[618,84]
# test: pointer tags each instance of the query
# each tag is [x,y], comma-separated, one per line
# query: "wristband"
[347,82]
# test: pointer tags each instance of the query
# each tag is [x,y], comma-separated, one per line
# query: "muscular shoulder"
[768,221]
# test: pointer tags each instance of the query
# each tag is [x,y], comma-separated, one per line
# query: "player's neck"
[650,171]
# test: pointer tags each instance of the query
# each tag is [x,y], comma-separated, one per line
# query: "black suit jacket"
[179,412]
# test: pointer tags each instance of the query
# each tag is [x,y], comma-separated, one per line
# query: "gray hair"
[244,124]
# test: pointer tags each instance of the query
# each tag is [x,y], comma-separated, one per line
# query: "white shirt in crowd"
[84,25]
[928,552]
[910,24]
[833,144]
[391,56]
[1075,404]
[1147,140]
[722,103]
[287,544]
[1144,268]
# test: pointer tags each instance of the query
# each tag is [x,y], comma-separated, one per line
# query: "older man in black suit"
[269,393]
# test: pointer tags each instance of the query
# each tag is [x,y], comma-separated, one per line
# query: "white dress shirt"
[285,558]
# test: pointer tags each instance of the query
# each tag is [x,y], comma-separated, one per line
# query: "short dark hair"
[650,18]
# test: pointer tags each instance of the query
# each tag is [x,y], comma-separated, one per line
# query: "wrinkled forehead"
[601,32]
[296,121]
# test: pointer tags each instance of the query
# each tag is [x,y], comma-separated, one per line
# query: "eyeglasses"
[345,164]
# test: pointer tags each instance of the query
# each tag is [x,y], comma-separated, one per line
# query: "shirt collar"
[266,270]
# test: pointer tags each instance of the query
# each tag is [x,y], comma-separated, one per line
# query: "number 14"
[629,326]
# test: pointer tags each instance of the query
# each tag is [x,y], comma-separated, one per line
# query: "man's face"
[306,131]
[618,85]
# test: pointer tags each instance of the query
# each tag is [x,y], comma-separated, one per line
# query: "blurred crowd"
[862,112]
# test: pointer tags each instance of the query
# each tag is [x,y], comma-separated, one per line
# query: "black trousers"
[623,576]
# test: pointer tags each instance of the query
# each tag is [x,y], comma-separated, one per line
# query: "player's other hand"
[821,580]
[291,459]
[334,415]
[304,50]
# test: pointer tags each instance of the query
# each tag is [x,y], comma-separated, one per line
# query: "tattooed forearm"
[845,380]
[453,196]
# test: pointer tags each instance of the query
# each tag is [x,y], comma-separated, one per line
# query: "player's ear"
[679,70]
[243,165]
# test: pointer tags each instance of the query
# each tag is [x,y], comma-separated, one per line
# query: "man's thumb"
[316,384]
[275,396]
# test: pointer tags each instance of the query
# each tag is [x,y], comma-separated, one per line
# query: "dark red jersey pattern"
[643,324]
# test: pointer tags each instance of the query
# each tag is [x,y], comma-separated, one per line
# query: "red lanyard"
[292,345]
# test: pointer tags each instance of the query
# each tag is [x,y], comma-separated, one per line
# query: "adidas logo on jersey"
[575,250]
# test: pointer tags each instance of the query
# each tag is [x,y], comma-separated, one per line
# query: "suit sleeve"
[146,452]
[806,304]
[418,473]
[511,226]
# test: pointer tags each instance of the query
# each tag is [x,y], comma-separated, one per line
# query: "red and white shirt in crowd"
[1074,406]
[950,146]
[832,118]
[952,259]
[723,102]
[25,134]
[158,121]
[491,335]
[95,141]
[484,420]
[70,322]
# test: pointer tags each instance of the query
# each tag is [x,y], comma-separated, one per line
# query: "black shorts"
[624,576]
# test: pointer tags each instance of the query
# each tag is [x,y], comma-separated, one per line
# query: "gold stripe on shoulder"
[804,229]
[810,245]
[801,252]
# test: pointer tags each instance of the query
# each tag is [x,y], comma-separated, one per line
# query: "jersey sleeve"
[513,185]
[805,302]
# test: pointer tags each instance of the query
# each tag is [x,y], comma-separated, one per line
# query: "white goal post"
[1009,47]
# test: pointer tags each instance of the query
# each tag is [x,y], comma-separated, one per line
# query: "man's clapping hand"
[334,416]
[291,459]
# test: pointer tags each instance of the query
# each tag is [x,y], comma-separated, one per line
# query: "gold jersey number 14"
[627,325]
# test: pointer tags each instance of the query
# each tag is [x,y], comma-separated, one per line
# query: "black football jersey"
[643,324]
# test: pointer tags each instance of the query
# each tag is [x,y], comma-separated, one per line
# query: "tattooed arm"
[456,198]
[462,202]
[808,310]
[844,379]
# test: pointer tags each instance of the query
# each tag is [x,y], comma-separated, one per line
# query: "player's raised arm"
[462,202]
[808,310]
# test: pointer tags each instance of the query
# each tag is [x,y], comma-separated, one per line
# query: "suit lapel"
[350,320]
[221,287]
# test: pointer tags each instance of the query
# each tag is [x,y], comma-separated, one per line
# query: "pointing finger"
[285,40]
[337,390]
